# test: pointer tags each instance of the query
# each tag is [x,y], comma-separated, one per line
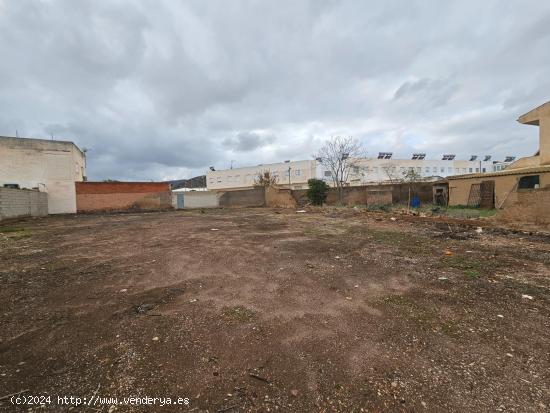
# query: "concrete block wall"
[16,203]
[243,198]
[122,196]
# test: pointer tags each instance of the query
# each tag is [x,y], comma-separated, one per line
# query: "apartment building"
[365,171]
[386,169]
[293,174]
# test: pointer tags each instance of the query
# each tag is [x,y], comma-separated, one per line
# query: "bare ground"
[263,310]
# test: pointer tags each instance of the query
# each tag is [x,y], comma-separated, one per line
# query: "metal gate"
[474,199]
[180,203]
[482,195]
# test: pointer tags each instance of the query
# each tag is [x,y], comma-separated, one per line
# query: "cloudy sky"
[164,89]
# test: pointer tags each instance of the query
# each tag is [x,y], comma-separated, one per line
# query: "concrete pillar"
[544,140]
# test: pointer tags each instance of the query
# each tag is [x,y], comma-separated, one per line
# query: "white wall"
[50,166]
[198,199]
[300,172]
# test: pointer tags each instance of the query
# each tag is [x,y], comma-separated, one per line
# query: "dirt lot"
[262,310]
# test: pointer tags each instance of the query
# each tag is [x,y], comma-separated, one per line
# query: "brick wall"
[21,202]
[379,197]
[531,207]
[122,196]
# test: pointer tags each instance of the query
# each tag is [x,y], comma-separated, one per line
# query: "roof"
[505,172]
[533,116]
[44,141]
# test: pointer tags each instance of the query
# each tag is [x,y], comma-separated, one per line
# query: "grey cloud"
[160,90]
[248,141]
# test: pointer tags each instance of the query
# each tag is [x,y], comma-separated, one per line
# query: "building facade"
[365,171]
[376,170]
[291,173]
[47,165]
[525,182]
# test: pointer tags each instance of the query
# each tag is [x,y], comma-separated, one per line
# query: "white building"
[366,170]
[293,173]
[385,169]
[48,165]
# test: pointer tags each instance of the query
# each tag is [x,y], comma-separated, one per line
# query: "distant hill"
[196,182]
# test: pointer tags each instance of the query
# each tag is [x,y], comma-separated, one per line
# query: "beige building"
[526,179]
[47,165]
[290,173]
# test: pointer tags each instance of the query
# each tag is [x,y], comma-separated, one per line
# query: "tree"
[339,155]
[265,179]
[317,191]
[390,171]
[412,178]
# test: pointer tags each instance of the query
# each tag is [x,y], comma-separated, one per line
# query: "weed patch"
[238,314]
[15,232]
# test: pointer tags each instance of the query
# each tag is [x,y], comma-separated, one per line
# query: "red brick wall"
[121,187]
[122,196]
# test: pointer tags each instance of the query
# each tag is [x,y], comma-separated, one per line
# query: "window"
[434,169]
[328,173]
[211,180]
[442,170]
[418,169]
[287,172]
[219,179]
[471,170]
[477,169]
[528,182]
[355,169]
[427,169]
[297,172]
[463,170]
[450,170]
[484,169]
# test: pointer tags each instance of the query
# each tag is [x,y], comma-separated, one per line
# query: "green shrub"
[317,191]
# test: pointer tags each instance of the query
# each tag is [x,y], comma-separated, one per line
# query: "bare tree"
[340,155]
[390,171]
[265,179]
